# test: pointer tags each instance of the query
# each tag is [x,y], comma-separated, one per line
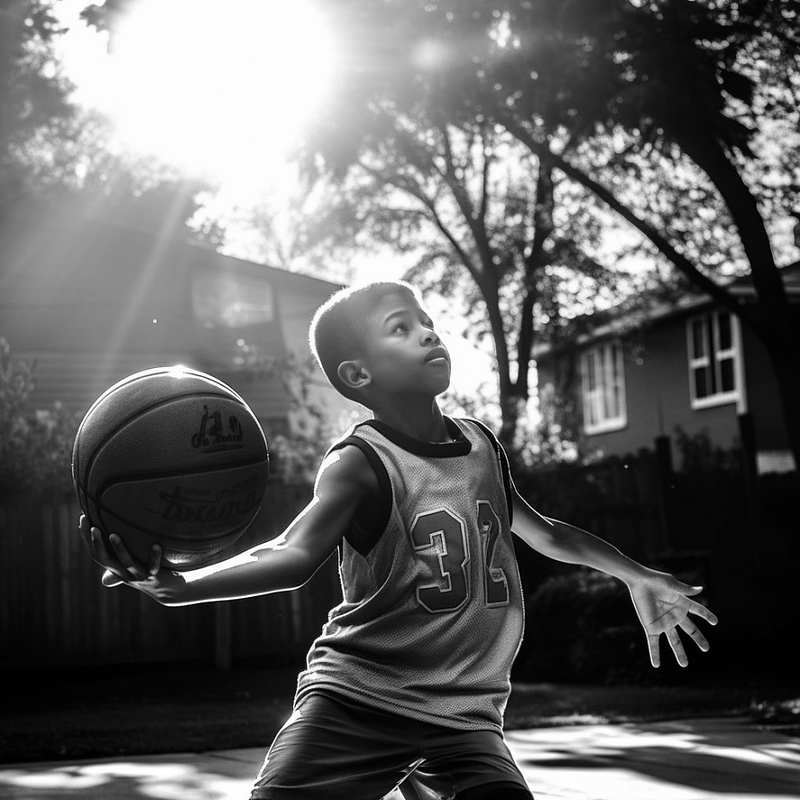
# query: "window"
[714,371]
[229,300]
[603,388]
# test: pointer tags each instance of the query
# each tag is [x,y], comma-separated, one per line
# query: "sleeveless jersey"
[432,613]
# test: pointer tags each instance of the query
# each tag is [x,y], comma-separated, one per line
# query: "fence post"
[747,437]
[664,470]
[222,635]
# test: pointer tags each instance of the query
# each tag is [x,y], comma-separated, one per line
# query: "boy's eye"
[401,327]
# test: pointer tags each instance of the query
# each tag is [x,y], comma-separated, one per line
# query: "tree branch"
[683,264]
[417,193]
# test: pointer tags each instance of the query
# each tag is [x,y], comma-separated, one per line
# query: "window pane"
[602,384]
[711,376]
[713,360]
[698,338]
[231,301]
[612,388]
[724,326]
[727,375]
[618,396]
[590,368]
[701,388]
[593,413]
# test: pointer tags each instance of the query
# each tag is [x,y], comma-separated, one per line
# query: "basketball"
[174,456]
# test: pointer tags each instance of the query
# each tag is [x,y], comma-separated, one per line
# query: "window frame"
[242,286]
[711,360]
[597,399]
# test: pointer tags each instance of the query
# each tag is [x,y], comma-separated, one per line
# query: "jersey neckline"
[460,446]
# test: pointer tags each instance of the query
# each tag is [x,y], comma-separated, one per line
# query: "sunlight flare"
[221,90]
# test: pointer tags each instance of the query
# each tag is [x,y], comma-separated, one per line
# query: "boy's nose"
[429,337]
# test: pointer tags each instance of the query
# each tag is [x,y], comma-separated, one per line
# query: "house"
[91,298]
[689,365]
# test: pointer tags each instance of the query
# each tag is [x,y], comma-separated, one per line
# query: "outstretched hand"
[121,567]
[663,604]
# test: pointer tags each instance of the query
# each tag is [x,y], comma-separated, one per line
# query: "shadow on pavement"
[215,776]
[690,759]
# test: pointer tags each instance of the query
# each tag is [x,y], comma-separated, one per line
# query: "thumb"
[686,588]
[109,579]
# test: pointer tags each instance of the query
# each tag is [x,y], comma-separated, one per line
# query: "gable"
[89,303]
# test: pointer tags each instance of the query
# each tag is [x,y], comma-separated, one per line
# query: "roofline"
[737,288]
[279,272]
[25,209]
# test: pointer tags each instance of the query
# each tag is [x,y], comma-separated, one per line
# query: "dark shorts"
[332,750]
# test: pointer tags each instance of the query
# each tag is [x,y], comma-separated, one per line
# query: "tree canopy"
[53,149]
[665,111]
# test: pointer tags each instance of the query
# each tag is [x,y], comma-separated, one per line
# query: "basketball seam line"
[128,420]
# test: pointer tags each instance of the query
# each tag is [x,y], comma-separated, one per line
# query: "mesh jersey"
[432,614]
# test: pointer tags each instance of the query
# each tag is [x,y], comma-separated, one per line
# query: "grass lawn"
[102,711]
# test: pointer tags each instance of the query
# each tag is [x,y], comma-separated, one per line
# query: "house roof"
[90,299]
[618,319]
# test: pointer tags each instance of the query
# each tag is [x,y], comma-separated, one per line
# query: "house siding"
[763,396]
[658,396]
[90,302]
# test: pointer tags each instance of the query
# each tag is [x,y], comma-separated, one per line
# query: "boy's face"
[402,352]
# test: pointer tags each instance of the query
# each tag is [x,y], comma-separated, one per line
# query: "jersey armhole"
[502,458]
[362,538]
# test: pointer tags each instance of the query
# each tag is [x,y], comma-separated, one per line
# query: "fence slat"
[54,610]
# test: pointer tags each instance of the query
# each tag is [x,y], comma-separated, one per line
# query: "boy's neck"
[426,425]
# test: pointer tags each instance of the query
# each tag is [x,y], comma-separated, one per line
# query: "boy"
[411,672]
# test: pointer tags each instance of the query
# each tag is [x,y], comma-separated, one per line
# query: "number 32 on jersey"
[442,535]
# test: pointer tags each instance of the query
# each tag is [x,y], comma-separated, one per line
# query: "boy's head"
[347,332]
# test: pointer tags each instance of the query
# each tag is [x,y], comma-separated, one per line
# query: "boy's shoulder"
[351,462]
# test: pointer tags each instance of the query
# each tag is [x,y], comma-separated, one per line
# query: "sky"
[220,95]
[226,104]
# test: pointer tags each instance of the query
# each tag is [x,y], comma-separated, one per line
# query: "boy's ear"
[353,374]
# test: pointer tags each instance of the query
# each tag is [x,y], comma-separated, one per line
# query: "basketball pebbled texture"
[174,456]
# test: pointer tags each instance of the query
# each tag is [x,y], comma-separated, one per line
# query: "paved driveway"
[706,759]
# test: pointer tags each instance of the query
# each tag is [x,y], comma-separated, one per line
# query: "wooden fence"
[708,528]
[729,530]
[55,612]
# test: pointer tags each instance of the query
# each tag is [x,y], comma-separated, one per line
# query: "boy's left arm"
[662,602]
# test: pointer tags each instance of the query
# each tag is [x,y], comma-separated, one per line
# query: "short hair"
[337,328]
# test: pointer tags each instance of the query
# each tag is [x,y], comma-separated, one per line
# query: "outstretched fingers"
[116,572]
[653,640]
[677,647]
[701,611]
[695,634]
[676,643]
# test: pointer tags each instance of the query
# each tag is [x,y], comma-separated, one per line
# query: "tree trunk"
[773,320]
[709,156]
[782,344]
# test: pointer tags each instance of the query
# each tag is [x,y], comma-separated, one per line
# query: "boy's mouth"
[437,354]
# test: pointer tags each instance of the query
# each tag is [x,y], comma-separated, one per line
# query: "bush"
[35,444]
[582,628]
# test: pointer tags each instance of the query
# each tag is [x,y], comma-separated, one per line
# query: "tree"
[484,222]
[54,150]
[607,93]
[480,212]
[35,444]
[34,95]
[699,85]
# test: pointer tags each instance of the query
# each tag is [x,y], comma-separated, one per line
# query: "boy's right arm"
[344,480]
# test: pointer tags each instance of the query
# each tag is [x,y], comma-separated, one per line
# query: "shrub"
[582,628]
[35,444]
